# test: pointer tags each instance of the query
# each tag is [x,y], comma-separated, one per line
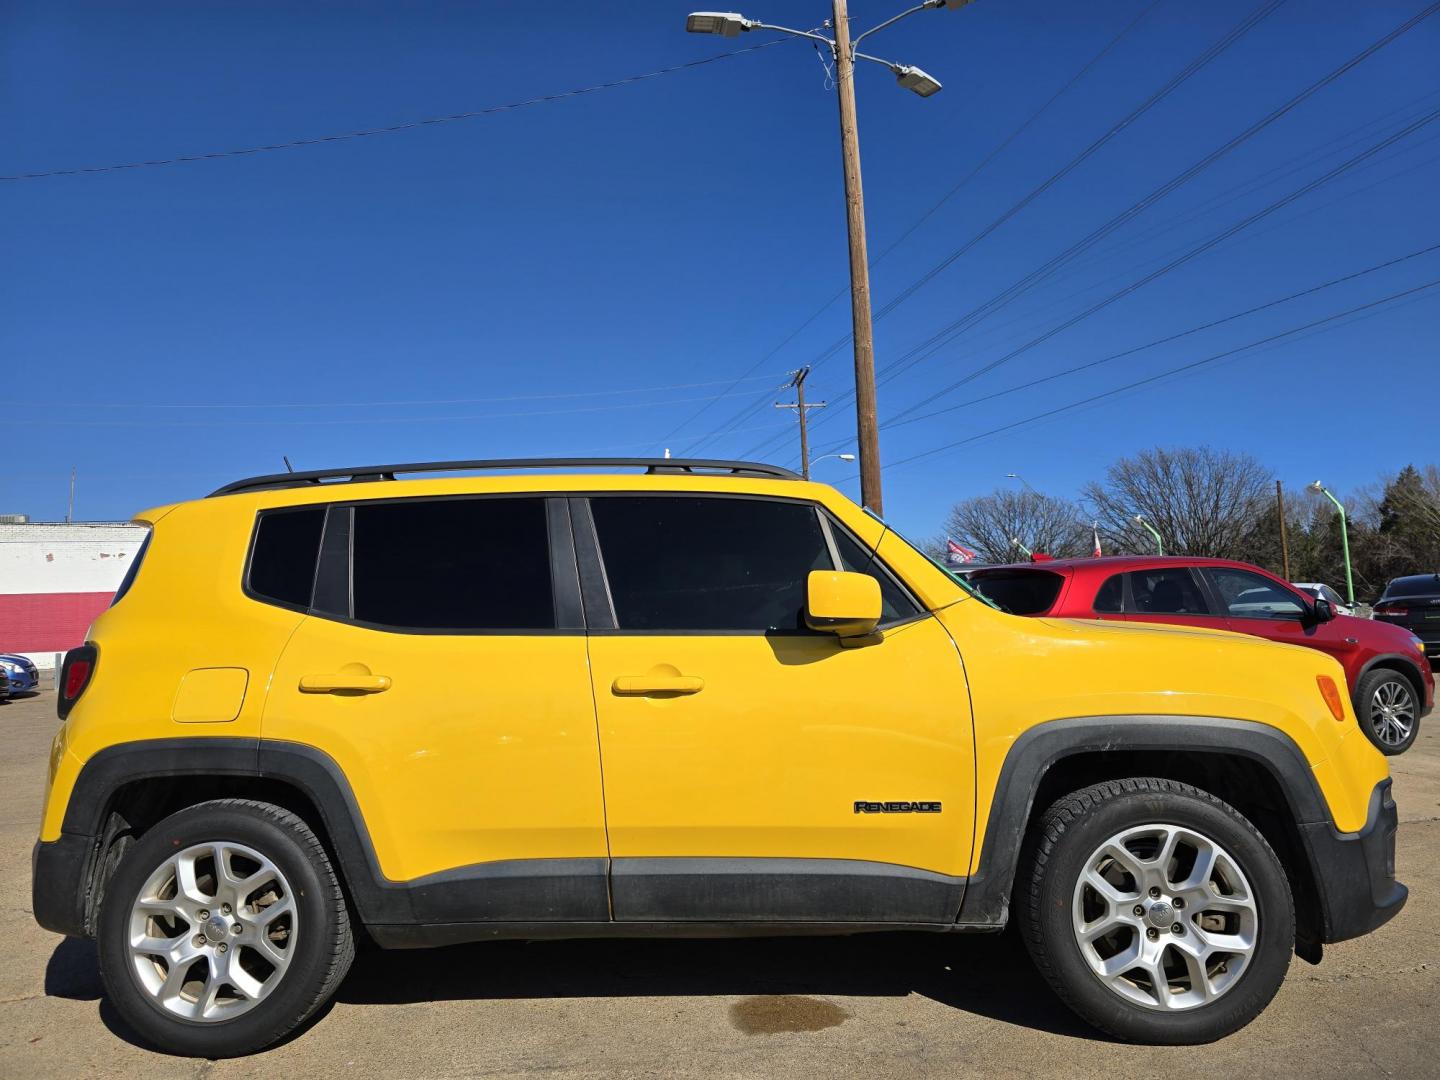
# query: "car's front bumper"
[1355,872]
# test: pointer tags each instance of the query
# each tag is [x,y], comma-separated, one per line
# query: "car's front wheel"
[1156,911]
[1387,708]
[223,928]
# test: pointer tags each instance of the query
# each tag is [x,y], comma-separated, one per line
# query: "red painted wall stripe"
[47,622]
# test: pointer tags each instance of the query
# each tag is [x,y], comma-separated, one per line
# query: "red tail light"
[75,676]
[1392,611]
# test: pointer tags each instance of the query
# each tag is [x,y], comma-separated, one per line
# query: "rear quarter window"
[1020,592]
[283,555]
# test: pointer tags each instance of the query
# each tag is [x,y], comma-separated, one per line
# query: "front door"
[443,669]
[1254,604]
[754,769]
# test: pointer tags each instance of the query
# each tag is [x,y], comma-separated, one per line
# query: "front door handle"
[344,683]
[640,685]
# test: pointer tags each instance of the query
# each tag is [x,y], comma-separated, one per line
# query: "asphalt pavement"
[916,1005]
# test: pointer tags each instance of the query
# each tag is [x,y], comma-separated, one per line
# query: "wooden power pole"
[867,426]
[801,407]
[1284,540]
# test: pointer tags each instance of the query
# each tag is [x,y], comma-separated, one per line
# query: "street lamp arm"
[793,33]
[891,64]
[893,20]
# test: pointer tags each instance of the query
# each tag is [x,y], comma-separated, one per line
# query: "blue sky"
[482,288]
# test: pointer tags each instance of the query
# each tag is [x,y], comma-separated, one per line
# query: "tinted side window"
[895,604]
[1252,596]
[1020,592]
[1167,591]
[282,562]
[695,564]
[1111,597]
[453,564]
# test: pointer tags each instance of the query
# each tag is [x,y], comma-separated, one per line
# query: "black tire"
[324,947]
[1372,719]
[1065,838]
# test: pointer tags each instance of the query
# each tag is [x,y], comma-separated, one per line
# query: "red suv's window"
[1020,592]
[1110,600]
[1169,590]
[1253,596]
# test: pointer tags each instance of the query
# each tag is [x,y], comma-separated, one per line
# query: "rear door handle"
[639,685]
[342,683]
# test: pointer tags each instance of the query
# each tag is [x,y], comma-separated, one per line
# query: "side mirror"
[1324,610]
[842,603]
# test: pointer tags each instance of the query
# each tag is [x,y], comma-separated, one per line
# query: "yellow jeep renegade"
[536,699]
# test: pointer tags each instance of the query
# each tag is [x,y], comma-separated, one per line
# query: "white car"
[1325,592]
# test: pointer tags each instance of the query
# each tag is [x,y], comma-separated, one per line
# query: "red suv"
[1390,679]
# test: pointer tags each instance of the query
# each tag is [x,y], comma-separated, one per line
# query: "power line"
[1166,374]
[1181,260]
[67,405]
[368,419]
[1167,339]
[393,129]
[1175,182]
[937,340]
[895,422]
[726,428]
[1191,69]
[1233,35]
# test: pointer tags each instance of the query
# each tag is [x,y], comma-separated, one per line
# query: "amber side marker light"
[1331,693]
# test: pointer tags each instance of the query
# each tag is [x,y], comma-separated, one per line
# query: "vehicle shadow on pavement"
[988,975]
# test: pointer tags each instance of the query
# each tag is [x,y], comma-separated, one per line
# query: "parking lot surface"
[916,1005]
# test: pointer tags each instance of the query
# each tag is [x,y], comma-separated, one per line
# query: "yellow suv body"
[706,698]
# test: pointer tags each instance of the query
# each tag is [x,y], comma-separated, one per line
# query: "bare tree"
[1202,501]
[990,525]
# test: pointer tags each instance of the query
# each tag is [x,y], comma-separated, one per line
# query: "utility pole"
[801,408]
[867,426]
[731,24]
[1284,540]
[70,509]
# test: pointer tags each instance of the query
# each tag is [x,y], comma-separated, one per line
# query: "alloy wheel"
[1165,917]
[1392,712]
[212,931]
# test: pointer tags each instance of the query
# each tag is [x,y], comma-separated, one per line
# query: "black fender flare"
[1033,754]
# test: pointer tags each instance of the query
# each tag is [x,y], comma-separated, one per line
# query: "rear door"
[1169,594]
[442,668]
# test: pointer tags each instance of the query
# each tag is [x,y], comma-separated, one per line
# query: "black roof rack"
[367,473]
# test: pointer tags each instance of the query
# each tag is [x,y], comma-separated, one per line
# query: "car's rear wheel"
[223,929]
[1387,708]
[1156,911]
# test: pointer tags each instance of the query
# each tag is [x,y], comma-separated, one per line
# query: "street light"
[1159,544]
[1026,483]
[1321,489]
[845,53]
[842,457]
[724,23]
[1016,541]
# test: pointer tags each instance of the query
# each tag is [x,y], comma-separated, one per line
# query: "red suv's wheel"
[1386,705]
